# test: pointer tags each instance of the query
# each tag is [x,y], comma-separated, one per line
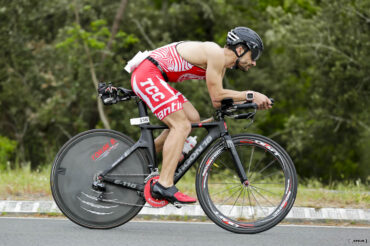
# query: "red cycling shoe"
[171,194]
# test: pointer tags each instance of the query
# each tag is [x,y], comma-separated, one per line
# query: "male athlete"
[183,61]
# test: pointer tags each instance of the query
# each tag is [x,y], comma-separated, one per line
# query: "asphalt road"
[54,232]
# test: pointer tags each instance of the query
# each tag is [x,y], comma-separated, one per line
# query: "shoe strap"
[170,190]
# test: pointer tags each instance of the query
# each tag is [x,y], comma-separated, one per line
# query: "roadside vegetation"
[315,65]
[24,184]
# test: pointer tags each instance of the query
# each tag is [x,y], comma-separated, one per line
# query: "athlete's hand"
[107,93]
[262,101]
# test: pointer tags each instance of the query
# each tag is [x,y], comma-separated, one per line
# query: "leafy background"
[315,65]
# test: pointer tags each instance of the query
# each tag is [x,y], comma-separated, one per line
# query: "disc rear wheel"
[78,164]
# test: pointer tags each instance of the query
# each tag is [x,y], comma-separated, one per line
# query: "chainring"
[156,203]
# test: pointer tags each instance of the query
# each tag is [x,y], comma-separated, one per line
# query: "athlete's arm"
[214,75]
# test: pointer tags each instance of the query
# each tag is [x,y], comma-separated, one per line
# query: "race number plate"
[139,121]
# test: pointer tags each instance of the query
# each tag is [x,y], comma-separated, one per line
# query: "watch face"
[250,96]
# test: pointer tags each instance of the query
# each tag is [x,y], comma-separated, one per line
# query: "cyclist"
[183,61]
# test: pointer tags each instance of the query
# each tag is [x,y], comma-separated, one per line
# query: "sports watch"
[250,96]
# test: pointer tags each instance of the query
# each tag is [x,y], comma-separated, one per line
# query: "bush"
[7,150]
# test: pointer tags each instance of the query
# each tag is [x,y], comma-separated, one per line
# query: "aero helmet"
[247,37]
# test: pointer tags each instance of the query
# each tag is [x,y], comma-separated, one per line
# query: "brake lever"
[251,118]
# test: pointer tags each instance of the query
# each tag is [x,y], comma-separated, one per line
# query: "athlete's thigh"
[190,112]
[178,120]
[148,83]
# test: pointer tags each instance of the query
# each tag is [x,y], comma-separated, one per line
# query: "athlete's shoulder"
[213,50]
[214,53]
[212,46]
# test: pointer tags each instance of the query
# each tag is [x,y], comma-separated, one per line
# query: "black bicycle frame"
[216,130]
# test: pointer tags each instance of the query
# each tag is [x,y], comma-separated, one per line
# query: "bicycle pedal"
[177,205]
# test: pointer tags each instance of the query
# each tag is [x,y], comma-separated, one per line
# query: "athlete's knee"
[182,127]
[178,123]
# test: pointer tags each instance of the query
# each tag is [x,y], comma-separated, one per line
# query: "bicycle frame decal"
[226,221]
[229,222]
[105,150]
[208,165]
[196,153]
[199,149]
[264,145]
[283,205]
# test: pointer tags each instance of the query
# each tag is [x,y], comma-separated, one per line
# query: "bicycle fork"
[237,163]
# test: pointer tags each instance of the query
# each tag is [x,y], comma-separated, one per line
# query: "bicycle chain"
[149,176]
[123,203]
[127,175]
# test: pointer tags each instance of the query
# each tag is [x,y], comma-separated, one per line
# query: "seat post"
[143,111]
[146,138]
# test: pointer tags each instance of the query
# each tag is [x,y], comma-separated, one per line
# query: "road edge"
[195,211]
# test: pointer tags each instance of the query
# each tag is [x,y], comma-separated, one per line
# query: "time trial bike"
[245,183]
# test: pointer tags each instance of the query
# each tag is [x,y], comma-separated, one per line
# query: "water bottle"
[189,144]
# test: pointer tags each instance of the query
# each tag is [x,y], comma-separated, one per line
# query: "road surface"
[55,232]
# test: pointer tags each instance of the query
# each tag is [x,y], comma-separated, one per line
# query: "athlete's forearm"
[237,96]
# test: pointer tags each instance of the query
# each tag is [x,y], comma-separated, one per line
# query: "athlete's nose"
[254,63]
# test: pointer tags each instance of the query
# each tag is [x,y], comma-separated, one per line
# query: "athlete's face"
[246,62]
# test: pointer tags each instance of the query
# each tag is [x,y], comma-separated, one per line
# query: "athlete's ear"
[240,50]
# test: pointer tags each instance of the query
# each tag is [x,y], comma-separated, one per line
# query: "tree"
[323,60]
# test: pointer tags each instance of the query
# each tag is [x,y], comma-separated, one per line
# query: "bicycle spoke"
[263,169]
[268,176]
[264,197]
[235,201]
[223,164]
[224,190]
[258,203]
[241,213]
[228,198]
[273,174]
[250,161]
[250,203]
[264,190]
[228,168]
[255,167]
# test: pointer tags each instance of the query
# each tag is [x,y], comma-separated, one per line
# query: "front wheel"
[253,207]
[77,165]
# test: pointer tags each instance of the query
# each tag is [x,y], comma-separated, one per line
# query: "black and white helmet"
[247,37]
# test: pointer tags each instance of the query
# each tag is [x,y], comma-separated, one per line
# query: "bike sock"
[170,194]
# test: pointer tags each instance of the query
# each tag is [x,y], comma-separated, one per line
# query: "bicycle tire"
[73,172]
[222,195]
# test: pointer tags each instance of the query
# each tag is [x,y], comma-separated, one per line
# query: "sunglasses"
[253,47]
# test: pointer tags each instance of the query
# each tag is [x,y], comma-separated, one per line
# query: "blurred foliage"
[315,64]
[7,149]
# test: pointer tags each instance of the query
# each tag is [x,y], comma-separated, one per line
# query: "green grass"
[23,184]
[312,193]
